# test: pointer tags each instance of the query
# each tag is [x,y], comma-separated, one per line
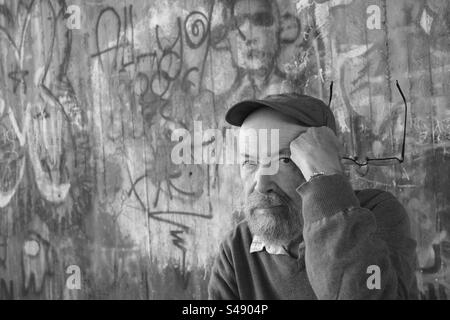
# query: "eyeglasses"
[352,160]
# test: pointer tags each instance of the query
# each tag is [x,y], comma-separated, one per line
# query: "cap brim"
[305,110]
[237,113]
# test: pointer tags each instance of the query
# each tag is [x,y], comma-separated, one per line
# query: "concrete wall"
[87,109]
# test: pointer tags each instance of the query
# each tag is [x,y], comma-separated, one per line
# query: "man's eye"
[285,160]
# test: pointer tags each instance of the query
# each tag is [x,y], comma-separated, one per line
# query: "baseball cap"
[307,110]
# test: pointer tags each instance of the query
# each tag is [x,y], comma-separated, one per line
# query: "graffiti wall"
[91,205]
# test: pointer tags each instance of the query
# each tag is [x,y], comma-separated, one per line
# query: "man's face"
[254,36]
[272,205]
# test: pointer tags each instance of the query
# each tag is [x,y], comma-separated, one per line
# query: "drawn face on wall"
[254,37]
[272,205]
[37,260]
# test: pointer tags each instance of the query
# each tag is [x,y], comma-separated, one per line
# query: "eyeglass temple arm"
[406,112]
[331,93]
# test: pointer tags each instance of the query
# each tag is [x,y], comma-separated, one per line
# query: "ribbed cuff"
[325,196]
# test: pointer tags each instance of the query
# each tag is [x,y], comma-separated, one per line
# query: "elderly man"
[307,233]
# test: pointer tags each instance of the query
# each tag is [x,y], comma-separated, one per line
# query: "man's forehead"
[269,119]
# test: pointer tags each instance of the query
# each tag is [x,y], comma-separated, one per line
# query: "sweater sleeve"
[222,284]
[345,249]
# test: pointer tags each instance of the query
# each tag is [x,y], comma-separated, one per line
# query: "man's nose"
[264,182]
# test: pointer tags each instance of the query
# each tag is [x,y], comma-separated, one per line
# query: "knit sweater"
[345,234]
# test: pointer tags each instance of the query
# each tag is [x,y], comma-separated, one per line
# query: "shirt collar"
[258,245]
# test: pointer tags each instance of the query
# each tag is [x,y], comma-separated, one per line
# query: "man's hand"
[317,150]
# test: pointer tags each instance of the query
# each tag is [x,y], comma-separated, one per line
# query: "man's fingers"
[322,136]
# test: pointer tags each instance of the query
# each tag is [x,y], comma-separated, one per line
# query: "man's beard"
[280,225]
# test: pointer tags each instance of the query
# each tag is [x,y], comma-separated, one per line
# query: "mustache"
[258,200]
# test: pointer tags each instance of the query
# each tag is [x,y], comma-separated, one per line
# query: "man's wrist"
[326,195]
